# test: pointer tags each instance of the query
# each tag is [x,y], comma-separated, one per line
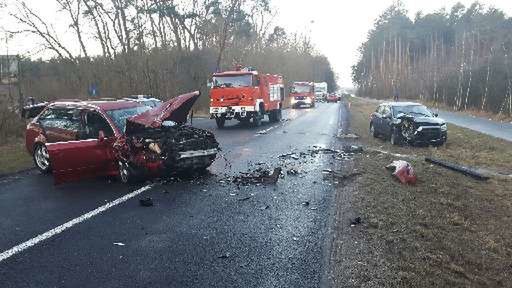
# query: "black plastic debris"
[355,221]
[245,198]
[305,204]
[458,168]
[146,202]
[224,256]
[264,207]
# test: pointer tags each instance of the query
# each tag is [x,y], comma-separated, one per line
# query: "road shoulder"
[448,230]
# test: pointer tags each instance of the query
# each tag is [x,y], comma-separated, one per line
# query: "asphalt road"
[486,126]
[206,232]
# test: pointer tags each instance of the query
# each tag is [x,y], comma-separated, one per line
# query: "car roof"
[105,105]
[235,73]
[401,104]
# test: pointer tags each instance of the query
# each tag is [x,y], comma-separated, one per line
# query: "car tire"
[42,159]
[373,133]
[221,121]
[396,138]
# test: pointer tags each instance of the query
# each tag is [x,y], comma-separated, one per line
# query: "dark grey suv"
[408,123]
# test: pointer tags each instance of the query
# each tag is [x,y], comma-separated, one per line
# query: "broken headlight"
[444,127]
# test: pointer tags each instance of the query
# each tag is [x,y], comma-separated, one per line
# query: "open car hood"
[175,110]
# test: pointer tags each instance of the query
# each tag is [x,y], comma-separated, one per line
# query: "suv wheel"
[42,158]
[372,131]
[396,138]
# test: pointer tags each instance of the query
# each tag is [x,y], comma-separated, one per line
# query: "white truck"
[321,91]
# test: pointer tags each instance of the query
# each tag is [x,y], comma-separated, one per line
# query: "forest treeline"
[159,47]
[460,58]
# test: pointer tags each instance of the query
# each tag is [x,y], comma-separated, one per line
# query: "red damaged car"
[82,139]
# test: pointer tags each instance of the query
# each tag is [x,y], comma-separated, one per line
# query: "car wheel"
[372,131]
[396,137]
[221,121]
[42,159]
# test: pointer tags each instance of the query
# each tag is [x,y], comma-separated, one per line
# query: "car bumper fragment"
[199,153]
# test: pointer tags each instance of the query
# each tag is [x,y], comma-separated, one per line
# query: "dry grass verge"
[446,231]
[14,157]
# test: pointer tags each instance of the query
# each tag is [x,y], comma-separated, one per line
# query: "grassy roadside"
[446,231]
[14,157]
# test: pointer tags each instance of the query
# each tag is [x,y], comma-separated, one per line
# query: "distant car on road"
[332,98]
[82,139]
[410,123]
[145,100]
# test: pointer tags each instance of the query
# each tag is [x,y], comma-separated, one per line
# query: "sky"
[337,27]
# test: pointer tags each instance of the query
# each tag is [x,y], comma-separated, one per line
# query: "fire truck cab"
[302,94]
[246,95]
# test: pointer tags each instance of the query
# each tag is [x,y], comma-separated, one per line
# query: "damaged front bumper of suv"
[420,133]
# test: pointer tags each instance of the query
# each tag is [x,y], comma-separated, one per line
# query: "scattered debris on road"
[258,176]
[146,202]
[355,221]
[305,204]
[347,136]
[403,171]
[244,199]
[224,256]
[353,149]
[119,244]
[458,168]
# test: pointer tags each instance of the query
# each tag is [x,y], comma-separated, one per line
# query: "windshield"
[320,89]
[233,81]
[412,110]
[151,103]
[301,89]
[120,115]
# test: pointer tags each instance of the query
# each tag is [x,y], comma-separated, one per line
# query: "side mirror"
[101,136]
[436,115]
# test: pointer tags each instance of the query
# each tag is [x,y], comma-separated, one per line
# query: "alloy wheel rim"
[42,158]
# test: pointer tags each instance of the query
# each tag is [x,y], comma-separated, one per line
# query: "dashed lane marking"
[57,230]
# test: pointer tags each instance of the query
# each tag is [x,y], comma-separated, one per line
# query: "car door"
[88,157]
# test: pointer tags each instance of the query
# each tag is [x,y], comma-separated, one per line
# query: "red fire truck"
[246,95]
[302,94]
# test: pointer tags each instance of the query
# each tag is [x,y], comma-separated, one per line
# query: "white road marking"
[263,132]
[57,230]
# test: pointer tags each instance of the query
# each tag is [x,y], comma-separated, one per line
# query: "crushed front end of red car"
[158,142]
